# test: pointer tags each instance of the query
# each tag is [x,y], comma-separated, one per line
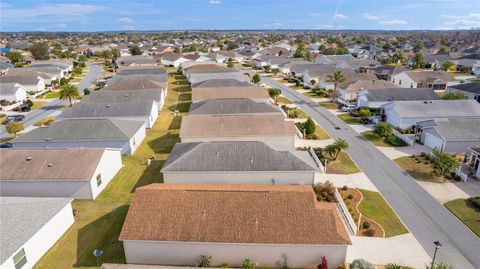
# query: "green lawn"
[328,105]
[465,212]
[342,165]
[99,222]
[474,79]
[300,114]
[295,87]
[458,74]
[283,100]
[51,95]
[376,208]
[37,104]
[382,141]
[321,133]
[349,119]
[312,95]
[418,170]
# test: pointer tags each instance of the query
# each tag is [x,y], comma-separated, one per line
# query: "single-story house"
[272,225]
[139,110]
[136,85]
[86,133]
[405,114]
[79,173]
[65,64]
[126,96]
[54,70]
[233,107]
[141,70]
[137,60]
[270,128]
[386,72]
[13,92]
[159,78]
[378,97]
[228,73]
[258,94]
[348,92]
[221,83]
[29,227]
[450,135]
[470,90]
[436,80]
[344,61]
[5,67]
[31,81]
[172,59]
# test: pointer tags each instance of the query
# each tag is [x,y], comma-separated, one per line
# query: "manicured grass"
[418,170]
[342,165]
[375,207]
[328,105]
[382,141]
[467,213]
[320,133]
[37,104]
[98,223]
[283,100]
[295,87]
[300,114]
[458,74]
[474,79]
[349,119]
[51,95]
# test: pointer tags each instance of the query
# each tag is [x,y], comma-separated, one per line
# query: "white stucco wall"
[403,80]
[44,239]
[46,188]
[188,253]
[240,177]
[108,167]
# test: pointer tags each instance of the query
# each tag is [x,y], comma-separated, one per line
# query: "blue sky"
[107,15]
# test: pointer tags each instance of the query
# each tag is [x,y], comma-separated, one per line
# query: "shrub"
[370,232]
[325,191]
[423,154]
[393,266]
[204,261]
[248,264]
[361,264]
[366,225]
[474,201]
[350,197]
[345,187]
[347,203]
[341,267]
[86,91]
[427,157]
[224,265]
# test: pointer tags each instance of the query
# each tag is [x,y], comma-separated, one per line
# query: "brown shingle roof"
[66,163]
[264,214]
[200,94]
[135,85]
[235,125]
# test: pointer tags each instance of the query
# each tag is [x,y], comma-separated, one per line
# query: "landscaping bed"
[391,141]
[320,133]
[45,122]
[467,211]
[421,168]
[294,113]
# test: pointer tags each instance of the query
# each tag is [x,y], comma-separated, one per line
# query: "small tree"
[274,93]
[230,63]
[69,92]
[267,68]
[448,66]
[14,56]
[323,263]
[418,60]
[135,50]
[331,150]
[441,265]
[256,78]
[204,261]
[248,264]
[86,91]
[340,144]
[445,162]
[14,127]
[364,113]
[383,129]
[361,264]
[453,96]
[77,71]
[275,71]
[39,50]
[309,126]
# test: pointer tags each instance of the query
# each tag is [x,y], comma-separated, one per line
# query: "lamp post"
[437,246]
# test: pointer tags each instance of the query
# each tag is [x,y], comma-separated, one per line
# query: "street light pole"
[437,246]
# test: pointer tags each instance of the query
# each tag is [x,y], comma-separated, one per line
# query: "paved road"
[427,219]
[53,106]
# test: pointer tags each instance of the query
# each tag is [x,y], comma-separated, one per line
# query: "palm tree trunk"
[70,100]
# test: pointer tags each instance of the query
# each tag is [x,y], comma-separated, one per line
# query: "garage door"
[432,141]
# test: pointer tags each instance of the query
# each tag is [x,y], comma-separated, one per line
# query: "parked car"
[6,145]
[349,108]
[13,118]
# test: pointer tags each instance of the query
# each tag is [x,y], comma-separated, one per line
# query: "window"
[400,82]
[20,259]
[133,141]
[99,179]
[411,85]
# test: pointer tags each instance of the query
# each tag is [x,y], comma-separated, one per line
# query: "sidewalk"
[445,192]
[358,180]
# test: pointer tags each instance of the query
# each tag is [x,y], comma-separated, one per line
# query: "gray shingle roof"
[231,106]
[146,71]
[234,156]
[401,94]
[459,129]
[212,83]
[473,87]
[123,96]
[108,109]
[83,130]
[140,77]
[438,108]
[22,217]
[8,88]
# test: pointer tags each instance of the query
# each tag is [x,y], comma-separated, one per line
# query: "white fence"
[405,138]
[353,227]
[315,158]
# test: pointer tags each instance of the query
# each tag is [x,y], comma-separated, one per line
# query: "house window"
[400,82]
[393,80]
[133,141]
[99,179]
[411,85]
[20,259]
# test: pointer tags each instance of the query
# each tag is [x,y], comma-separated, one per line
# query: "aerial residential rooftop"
[252,92]
[401,94]
[136,85]
[109,109]
[214,83]
[122,96]
[436,108]
[232,106]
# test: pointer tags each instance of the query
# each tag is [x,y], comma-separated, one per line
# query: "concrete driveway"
[427,219]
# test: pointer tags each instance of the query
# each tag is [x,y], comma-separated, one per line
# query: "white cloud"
[125,20]
[369,17]
[469,16]
[464,24]
[339,16]
[58,26]
[214,2]
[277,23]
[393,22]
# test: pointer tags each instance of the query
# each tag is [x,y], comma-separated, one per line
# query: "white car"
[349,108]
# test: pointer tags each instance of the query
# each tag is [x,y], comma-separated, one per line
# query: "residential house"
[233,107]
[436,60]
[79,173]
[276,51]
[12,92]
[136,85]
[32,81]
[470,90]
[436,80]
[141,70]
[271,128]
[30,226]
[221,83]
[258,94]
[470,168]
[137,60]
[449,135]
[175,224]
[119,79]
[172,59]
[196,75]
[405,114]
[86,133]
[386,72]
[344,61]
[378,97]
[348,92]
[104,96]
[145,111]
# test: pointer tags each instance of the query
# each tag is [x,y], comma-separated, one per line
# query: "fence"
[315,158]
[353,227]
[405,138]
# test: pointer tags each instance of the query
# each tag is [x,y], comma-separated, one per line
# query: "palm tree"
[331,150]
[336,78]
[340,144]
[69,92]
